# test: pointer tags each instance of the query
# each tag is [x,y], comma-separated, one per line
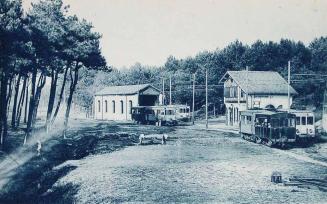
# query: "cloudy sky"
[148,31]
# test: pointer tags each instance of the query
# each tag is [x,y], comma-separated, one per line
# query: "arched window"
[130,106]
[122,107]
[99,106]
[113,107]
[106,105]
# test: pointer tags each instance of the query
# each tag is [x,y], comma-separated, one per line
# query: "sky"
[148,31]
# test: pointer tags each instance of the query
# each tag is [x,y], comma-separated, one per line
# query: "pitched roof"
[260,82]
[124,90]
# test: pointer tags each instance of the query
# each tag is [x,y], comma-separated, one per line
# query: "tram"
[305,124]
[268,127]
[164,115]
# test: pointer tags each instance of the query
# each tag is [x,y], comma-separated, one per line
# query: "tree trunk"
[21,103]
[14,108]
[60,96]
[3,109]
[72,87]
[53,88]
[31,105]
[26,103]
[8,100]
[39,88]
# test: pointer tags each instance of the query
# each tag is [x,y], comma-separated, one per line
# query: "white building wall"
[275,100]
[324,119]
[233,108]
[101,113]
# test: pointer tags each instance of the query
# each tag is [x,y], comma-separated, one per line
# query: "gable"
[150,91]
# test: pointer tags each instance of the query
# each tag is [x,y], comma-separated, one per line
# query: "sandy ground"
[196,166]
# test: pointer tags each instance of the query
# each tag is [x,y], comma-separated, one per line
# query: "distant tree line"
[43,44]
[261,56]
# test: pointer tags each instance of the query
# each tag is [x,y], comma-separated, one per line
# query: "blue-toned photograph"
[163,101]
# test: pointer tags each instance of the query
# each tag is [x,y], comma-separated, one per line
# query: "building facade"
[254,89]
[116,102]
[324,113]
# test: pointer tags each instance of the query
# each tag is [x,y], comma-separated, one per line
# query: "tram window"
[274,122]
[310,120]
[303,121]
[169,112]
[298,121]
[291,122]
[249,118]
[284,122]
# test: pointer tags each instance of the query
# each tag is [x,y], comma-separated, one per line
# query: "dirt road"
[193,167]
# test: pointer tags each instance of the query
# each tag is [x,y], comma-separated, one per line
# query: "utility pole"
[214,110]
[324,111]
[170,90]
[163,91]
[193,98]
[288,87]
[206,98]
[247,87]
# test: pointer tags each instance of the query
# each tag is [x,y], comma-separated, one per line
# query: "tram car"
[305,128]
[173,114]
[144,115]
[268,127]
[182,112]
[165,115]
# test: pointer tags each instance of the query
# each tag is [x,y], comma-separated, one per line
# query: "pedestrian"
[163,139]
[39,146]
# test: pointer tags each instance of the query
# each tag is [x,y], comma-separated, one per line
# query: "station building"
[116,102]
[265,89]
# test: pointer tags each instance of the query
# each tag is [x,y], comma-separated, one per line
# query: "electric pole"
[170,90]
[163,91]
[206,98]
[247,87]
[324,111]
[193,98]
[288,87]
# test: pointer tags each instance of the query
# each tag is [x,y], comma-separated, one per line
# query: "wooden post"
[170,90]
[163,91]
[324,111]
[289,84]
[206,98]
[247,87]
[193,99]
[214,111]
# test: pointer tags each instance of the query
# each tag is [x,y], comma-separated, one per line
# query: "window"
[274,122]
[310,120]
[106,105]
[242,93]
[292,122]
[303,121]
[169,112]
[99,106]
[249,118]
[122,107]
[113,107]
[130,106]
[243,118]
[298,121]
